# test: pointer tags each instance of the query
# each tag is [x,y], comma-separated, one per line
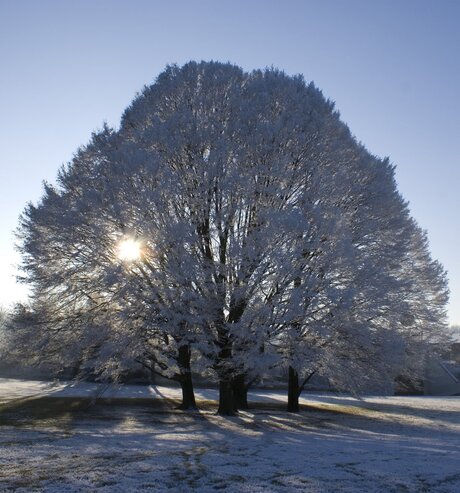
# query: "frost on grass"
[381,444]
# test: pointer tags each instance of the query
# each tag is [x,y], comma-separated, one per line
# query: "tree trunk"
[240,392]
[293,391]
[237,390]
[152,374]
[188,396]
[185,379]
[226,400]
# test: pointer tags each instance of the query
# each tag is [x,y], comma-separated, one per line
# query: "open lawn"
[54,438]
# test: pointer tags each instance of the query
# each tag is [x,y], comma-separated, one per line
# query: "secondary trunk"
[185,379]
[232,394]
[293,391]
[226,400]
[240,392]
[188,396]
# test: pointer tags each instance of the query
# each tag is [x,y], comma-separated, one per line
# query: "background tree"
[455,331]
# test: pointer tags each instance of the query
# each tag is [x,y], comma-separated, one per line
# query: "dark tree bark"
[188,395]
[232,390]
[185,379]
[226,400]
[293,377]
[240,392]
[293,391]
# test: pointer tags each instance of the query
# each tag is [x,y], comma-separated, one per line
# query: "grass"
[46,409]
[113,445]
[36,410]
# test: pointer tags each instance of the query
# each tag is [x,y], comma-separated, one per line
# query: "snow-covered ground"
[384,444]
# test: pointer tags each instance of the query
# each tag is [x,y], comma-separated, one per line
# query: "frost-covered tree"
[232,218]
[248,162]
[94,271]
[365,339]
[454,330]
[4,316]
[422,313]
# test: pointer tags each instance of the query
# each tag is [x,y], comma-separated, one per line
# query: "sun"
[129,250]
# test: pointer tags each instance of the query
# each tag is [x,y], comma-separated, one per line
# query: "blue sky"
[392,67]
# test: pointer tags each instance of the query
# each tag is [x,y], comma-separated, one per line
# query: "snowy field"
[53,439]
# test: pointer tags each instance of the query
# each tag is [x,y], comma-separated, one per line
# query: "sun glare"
[129,250]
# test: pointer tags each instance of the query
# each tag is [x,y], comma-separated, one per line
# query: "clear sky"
[391,66]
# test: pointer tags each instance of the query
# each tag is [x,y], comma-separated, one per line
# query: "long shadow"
[263,416]
[39,408]
[120,432]
[448,416]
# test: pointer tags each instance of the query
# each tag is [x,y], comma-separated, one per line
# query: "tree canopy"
[232,221]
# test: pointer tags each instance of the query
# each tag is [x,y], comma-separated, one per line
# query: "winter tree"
[455,331]
[232,219]
[392,287]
